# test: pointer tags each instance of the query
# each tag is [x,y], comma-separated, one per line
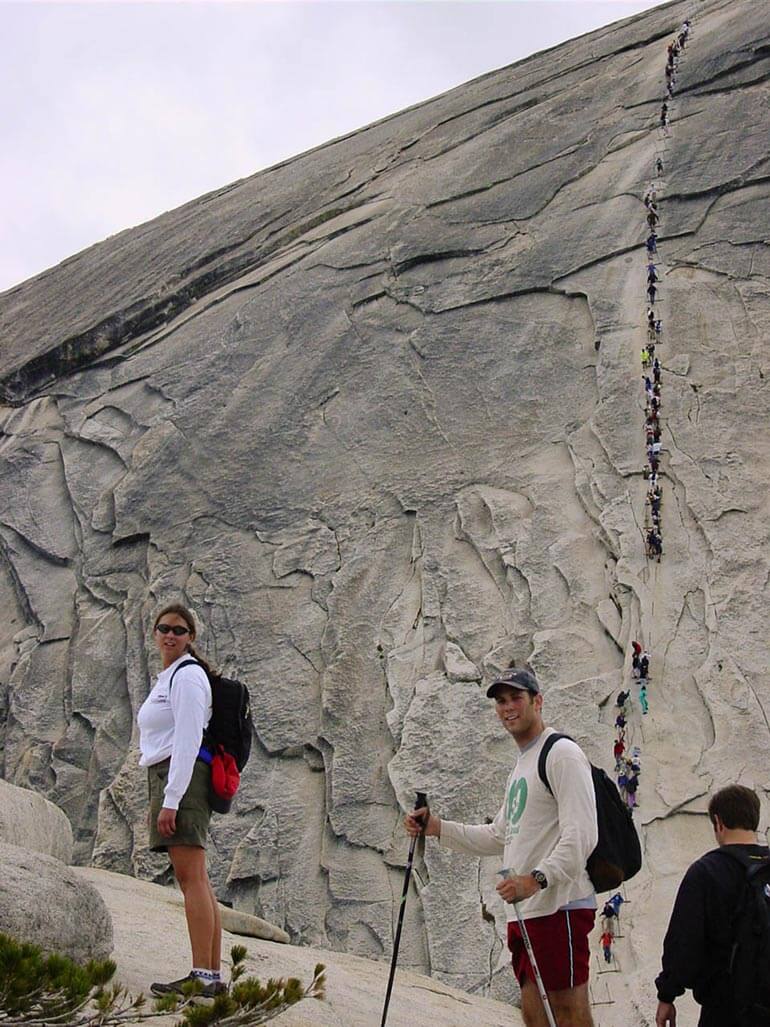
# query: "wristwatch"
[540,877]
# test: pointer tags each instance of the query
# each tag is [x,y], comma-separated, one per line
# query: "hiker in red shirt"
[617,752]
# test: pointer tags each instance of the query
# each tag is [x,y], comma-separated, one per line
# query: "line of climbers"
[628,765]
[628,769]
[651,364]
[718,939]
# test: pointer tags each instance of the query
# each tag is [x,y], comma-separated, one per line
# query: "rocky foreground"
[376,414]
[151,944]
[86,913]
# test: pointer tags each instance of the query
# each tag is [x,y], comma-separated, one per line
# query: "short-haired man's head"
[517,678]
[737,808]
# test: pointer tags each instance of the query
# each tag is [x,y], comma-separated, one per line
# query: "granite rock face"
[376,415]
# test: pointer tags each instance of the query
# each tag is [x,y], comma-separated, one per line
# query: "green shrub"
[38,990]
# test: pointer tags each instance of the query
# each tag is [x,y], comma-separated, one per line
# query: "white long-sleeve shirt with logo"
[535,830]
[171,723]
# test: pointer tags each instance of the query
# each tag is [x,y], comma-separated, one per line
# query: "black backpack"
[231,725]
[618,854]
[749,966]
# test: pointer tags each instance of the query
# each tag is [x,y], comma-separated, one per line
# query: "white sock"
[205,974]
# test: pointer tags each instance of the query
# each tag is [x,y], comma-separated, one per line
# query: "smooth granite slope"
[376,413]
[151,943]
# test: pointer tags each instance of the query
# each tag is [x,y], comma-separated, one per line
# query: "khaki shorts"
[194,813]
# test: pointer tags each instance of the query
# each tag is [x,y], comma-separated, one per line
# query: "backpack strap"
[184,663]
[547,746]
[753,865]
[747,861]
[206,750]
[758,866]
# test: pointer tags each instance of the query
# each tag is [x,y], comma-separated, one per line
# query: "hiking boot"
[214,989]
[208,991]
[173,987]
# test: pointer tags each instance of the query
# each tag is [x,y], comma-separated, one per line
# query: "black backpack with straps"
[749,967]
[618,853]
[231,726]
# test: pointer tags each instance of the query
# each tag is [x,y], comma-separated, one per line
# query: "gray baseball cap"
[516,677]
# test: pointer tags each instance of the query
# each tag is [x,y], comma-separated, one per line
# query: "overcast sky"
[112,113]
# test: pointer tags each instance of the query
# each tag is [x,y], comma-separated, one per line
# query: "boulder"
[45,902]
[31,822]
[237,922]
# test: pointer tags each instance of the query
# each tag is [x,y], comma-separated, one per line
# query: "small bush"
[38,990]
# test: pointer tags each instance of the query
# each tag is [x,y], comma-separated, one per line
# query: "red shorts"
[560,944]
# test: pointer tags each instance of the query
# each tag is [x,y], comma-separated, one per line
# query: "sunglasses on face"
[175,629]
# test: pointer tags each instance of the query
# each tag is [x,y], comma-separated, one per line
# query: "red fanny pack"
[225,776]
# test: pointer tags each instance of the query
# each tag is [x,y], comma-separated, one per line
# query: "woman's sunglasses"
[175,629]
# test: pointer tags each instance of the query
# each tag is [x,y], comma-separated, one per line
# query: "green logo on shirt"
[514,805]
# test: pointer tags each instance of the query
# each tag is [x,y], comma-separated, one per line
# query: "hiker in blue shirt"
[616,901]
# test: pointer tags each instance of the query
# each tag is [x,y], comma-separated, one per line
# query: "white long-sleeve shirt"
[535,830]
[171,723]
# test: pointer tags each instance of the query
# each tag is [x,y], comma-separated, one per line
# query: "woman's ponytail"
[204,663]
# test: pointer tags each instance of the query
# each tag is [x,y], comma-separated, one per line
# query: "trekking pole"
[422,800]
[536,969]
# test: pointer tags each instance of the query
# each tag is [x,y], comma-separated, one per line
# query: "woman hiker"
[171,725]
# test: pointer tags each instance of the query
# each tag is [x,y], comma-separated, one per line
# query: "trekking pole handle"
[422,803]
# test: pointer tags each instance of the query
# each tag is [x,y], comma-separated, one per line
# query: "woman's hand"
[167,822]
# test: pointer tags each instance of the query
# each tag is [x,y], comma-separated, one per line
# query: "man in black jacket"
[696,950]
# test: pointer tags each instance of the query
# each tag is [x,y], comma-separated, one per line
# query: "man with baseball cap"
[545,838]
